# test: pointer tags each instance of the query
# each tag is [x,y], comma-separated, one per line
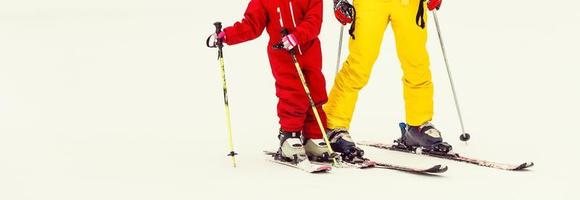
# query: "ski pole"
[305,86]
[219,45]
[339,49]
[351,12]
[464,136]
[311,102]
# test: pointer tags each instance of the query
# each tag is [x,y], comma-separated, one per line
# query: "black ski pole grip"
[218,30]
[284,33]
[218,27]
[278,46]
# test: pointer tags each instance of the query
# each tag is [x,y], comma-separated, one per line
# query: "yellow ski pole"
[219,45]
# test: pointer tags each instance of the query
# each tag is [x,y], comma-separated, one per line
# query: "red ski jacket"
[303,18]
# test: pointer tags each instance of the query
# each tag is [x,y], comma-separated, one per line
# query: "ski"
[369,164]
[304,165]
[436,169]
[451,156]
[364,164]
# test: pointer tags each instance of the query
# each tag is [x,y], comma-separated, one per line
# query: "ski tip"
[443,169]
[320,169]
[437,169]
[323,169]
[524,166]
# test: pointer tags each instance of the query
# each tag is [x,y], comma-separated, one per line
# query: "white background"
[121,100]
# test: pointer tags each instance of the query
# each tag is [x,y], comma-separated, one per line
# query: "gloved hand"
[214,39]
[221,36]
[434,4]
[343,11]
[289,42]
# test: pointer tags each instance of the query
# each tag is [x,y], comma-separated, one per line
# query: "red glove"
[343,11]
[289,42]
[434,4]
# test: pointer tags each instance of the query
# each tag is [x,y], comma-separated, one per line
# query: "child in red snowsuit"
[302,19]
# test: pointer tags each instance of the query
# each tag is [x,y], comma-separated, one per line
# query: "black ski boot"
[425,137]
[291,148]
[341,142]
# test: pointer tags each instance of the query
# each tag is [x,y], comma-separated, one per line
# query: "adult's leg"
[417,85]
[372,18]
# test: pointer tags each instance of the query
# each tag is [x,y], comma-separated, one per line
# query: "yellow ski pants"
[372,18]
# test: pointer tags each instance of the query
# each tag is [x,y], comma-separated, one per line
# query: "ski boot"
[291,148]
[341,142]
[424,138]
[317,150]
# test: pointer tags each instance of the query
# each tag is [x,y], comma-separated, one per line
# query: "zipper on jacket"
[293,23]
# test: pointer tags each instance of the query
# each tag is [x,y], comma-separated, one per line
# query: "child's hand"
[289,42]
[343,11]
[221,36]
[215,40]
[434,4]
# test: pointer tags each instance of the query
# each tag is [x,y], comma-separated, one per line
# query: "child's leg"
[312,69]
[292,101]
[318,91]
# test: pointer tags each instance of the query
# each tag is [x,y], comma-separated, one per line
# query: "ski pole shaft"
[464,136]
[312,105]
[232,153]
[309,96]
[305,86]
[339,50]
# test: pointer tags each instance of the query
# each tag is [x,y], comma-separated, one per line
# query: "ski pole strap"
[420,19]
[352,25]
[208,44]
[280,45]
[218,42]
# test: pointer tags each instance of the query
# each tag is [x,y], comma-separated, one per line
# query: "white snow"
[122,100]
